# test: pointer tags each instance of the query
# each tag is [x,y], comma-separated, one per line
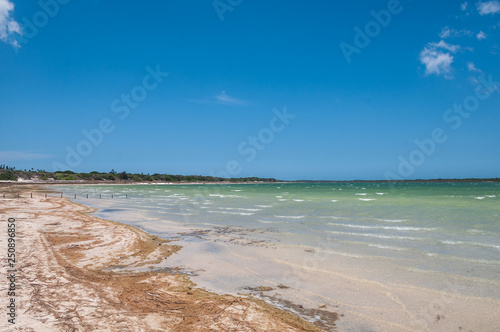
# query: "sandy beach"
[66,277]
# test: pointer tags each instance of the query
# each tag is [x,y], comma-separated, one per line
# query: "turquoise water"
[459,222]
[353,246]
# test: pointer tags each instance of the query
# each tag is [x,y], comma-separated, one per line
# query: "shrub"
[9,176]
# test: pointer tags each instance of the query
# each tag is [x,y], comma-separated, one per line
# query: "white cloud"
[9,156]
[222,99]
[463,6]
[488,7]
[447,32]
[8,26]
[472,67]
[481,35]
[437,58]
[446,46]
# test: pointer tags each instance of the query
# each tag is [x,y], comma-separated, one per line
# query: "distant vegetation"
[10,173]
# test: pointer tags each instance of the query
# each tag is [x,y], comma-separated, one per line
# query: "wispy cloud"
[447,32]
[488,7]
[472,67]
[8,26]
[222,99]
[437,58]
[481,35]
[10,156]
[463,6]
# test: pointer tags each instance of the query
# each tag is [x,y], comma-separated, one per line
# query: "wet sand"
[69,277]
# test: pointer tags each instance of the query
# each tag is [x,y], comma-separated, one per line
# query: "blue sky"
[285,89]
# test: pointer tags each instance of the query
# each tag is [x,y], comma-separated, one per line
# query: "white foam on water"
[391,220]
[282,199]
[264,206]
[395,228]
[233,213]
[335,200]
[475,231]
[367,199]
[379,236]
[290,217]
[475,244]
[479,197]
[270,221]
[298,200]
[239,209]
[379,193]
[361,194]
[380,246]
[491,196]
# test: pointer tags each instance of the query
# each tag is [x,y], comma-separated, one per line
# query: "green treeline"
[10,173]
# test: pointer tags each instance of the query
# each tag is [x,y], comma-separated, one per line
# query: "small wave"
[378,236]
[361,194]
[290,217]
[279,196]
[385,247]
[298,200]
[264,206]
[476,244]
[366,199]
[395,228]
[491,196]
[269,222]
[282,199]
[239,209]
[335,200]
[391,220]
[233,213]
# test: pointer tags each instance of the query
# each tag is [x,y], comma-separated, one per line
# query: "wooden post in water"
[61,195]
[31,195]
[125,195]
[75,196]
[111,195]
[87,195]
[100,195]
[45,195]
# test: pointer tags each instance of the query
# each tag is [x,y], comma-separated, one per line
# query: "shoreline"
[68,267]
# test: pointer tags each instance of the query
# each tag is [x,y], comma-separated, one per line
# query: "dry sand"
[67,277]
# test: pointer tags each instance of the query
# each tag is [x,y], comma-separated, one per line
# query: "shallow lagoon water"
[328,241]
